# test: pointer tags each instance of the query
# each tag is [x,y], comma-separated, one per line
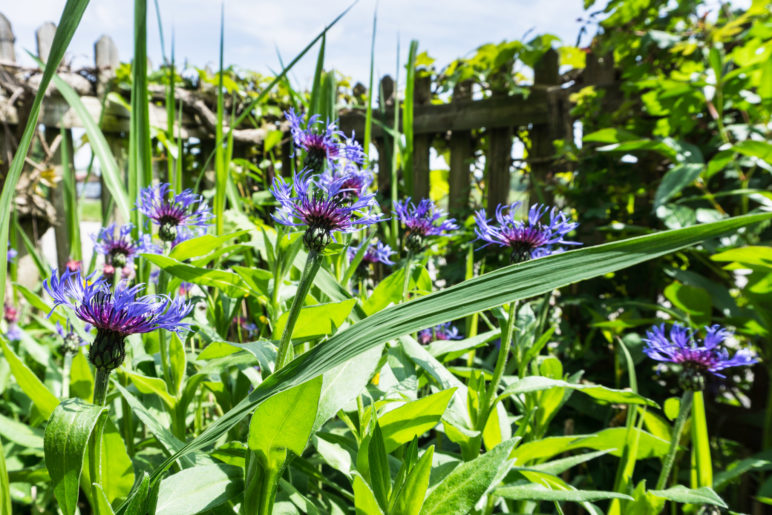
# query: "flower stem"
[100,386]
[313,262]
[683,414]
[66,367]
[501,361]
[406,283]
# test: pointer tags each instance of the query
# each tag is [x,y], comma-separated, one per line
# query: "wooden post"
[421,142]
[499,151]
[541,158]
[385,144]
[7,54]
[45,37]
[106,61]
[461,153]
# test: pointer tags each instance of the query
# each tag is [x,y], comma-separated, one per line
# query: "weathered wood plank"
[7,39]
[422,142]
[461,153]
[494,112]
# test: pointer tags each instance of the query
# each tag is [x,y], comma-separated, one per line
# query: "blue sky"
[255,29]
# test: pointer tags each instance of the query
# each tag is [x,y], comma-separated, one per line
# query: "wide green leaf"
[66,438]
[679,493]
[285,421]
[601,393]
[536,492]
[514,282]
[5,485]
[402,424]
[410,497]
[231,284]
[676,179]
[44,400]
[198,489]
[201,245]
[467,483]
[319,320]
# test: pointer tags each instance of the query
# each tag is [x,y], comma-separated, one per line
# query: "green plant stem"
[683,414]
[501,361]
[767,438]
[313,262]
[270,480]
[406,282]
[66,367]
[700,442]
[101,381]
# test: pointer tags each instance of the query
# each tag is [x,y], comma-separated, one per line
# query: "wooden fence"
[543,112]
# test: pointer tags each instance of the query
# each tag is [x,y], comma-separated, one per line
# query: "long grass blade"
[407,117]
[68,23]
[221,171]
[140,156]
[508,284]
[369,110]
[315,106]
[70,196]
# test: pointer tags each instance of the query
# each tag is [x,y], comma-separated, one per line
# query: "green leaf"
[514,282]
[467,483]
[40,304]
[601,393]
[378,467]
[344,383]
[285,421]
[81,378]
[178,363]
[676,179]
[199,489]
[231,284]
[201,245]
[758,149]
[22,434]
[66,437]
[402,424]
[263,350]
[117,469]
[103,506]
[44,400]
[612,439]
[696,302]
[680,493]
[536,492]
[411,496]
[152,385]
[365,502]
[318,320]
[5,486]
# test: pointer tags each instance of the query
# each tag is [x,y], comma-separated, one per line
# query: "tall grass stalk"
[369,110]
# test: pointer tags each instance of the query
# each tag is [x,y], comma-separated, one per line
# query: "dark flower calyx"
[108,350]
[520,253]
[317,238]
[118,259]
[315,159]
[168,231]
[414,242]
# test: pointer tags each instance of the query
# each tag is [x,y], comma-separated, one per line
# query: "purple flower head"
[421,221]
[444,331]
[375,253]
[120,249]
[527,239]
[356,181]
[322,144]
[682,348]
[116,314]
[14,333]
[172,213]
[321,208]
[11,255]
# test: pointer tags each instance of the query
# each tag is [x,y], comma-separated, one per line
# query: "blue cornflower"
[527,239]
[172,213]
[327,145]
[444,331]
[320,206]
[115,314]
[11,255]
[375,253]
[421,221]
[682,348]
[120,249]
[356,181]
